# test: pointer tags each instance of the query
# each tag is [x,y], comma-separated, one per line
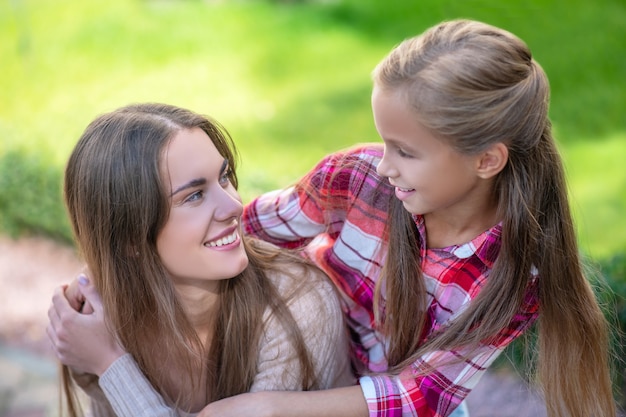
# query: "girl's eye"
[403,154]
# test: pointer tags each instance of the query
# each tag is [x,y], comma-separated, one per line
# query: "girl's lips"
[403,193]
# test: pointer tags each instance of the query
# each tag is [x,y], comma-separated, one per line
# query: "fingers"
[59,314]
[58,305]
[53,323]
[73,295]
[63,321]
[88,292]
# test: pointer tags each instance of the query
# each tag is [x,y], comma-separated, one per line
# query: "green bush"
[30,197]
[608,278]
[614,272]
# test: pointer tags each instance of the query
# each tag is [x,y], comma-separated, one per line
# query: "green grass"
[291,81]
[597,177]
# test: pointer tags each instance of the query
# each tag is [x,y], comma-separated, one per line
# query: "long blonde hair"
[474,85]
[117,203]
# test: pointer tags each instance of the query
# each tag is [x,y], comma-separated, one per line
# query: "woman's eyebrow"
[193,183]
[224,166]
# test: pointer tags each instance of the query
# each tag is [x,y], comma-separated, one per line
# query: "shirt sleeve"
[98,402]
[439,381]
[129,392]
[294,216]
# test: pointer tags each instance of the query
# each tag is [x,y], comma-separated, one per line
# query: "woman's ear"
[493,160]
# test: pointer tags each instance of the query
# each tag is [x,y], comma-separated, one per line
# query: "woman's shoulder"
[304,287]
[314,305]
[296,277]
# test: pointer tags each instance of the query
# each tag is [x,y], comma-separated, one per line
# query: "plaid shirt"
[338,212]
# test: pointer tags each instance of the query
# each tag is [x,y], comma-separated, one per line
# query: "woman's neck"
[200,306]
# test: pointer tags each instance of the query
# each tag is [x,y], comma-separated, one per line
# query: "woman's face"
[201,240]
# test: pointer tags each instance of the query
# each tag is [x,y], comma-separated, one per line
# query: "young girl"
[203,312]
[447,243]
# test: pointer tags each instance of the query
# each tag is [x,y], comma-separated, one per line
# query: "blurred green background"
[291,82]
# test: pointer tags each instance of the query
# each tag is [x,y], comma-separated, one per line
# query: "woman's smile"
[224,243]
[201,239]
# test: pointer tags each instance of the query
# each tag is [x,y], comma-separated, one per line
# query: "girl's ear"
[493,160]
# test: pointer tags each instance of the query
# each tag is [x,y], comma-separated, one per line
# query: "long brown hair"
[474,85]
[117,203]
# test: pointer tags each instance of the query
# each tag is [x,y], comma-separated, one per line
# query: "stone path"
[30,269]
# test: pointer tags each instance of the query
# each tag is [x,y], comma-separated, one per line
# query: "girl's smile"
[429,174]
[404,193]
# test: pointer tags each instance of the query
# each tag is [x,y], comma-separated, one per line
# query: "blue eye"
[225,177]
[195,196]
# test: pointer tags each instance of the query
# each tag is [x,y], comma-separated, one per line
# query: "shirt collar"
[485,246]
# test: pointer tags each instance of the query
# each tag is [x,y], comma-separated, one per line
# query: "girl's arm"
[292,217]
[438,392]
[85,343]
[339,402]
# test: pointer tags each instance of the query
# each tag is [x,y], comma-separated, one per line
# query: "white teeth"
[223,241]
[405,189]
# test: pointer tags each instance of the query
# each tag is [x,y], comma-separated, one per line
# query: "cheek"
[166,245]
[234,194]
[176,231]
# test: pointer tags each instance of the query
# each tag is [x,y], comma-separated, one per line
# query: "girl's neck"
[447,229]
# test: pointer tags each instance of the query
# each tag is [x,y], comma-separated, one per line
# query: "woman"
[202,311]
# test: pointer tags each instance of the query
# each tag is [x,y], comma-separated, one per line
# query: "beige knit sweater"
[123,391]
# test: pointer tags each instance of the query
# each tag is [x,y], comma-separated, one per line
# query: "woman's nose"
[229,204]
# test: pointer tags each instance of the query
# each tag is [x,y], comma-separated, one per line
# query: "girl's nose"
[385,168]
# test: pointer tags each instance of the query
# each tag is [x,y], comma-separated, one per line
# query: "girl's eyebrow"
[193,183]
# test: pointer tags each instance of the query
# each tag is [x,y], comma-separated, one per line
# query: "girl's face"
[201,240]
[429,175]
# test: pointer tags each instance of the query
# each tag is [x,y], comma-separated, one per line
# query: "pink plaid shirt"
[338,212]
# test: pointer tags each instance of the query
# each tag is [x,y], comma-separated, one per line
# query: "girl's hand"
[81,341]
[344,402]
